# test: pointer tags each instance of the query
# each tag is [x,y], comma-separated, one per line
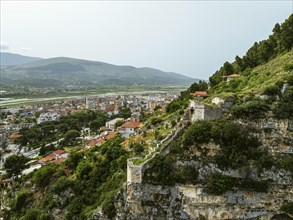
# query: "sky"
[193,38]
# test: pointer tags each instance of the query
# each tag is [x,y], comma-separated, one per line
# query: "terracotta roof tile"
[131,124]
[199,93]
[59,152]
[232,76]
[47,158]
[59,160]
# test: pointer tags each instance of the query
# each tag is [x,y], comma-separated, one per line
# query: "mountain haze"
[63,71]
[11,59]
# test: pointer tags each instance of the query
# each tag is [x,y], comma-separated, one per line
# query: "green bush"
[43,176]
[155,121]
[108,205]
[198,133]
[266,161]
[284,108]
[253,185]
[286,162]
[21,200]
[62,184]
[32,214]
[272,90]
[288,208]
[161,171]
[253,109]
[237,143]
[187,175]
[217,183]
[288,67]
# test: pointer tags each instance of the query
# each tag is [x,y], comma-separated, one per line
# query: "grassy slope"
[257,80]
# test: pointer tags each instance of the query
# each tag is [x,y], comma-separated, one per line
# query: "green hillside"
[65,72]
[91,182]
[263,79]
[265,67]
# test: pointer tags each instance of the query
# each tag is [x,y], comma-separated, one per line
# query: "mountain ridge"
[71,72]
[12,59]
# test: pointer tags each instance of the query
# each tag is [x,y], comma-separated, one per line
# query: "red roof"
[93,143]
[59,152]
[59,160]
[232,76]
[199,93]
[47,158]
[110,135]
[100,140]
[131,124]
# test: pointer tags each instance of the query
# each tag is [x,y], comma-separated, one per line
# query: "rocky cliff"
[152,200]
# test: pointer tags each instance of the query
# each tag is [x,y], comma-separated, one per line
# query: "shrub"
[199,132]
[217,183]
[266,161]
[286,163]
[253,185]
[284,108]
[288,208]
[187,174]
[43,176]
[155,121]
[137,147]
[62,184]
[250,110]
[21,200]
[272,90]
[32,214]
[288,67]
[161,171]
[108,205]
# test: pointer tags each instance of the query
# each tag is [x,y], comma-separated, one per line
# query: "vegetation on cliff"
[89,180]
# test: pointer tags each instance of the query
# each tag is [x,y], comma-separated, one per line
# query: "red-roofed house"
[110,135]
[58,154]
[129,128]
[95,142]
[59,160]
[229,77]
[199,94]
[47,159]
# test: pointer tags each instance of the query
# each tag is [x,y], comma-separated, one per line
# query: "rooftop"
[199,93]
[232,76]
[132,124]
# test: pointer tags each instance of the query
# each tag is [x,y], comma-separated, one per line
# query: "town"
[121,114]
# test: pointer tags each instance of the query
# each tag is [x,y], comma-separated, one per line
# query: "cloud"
[4,46]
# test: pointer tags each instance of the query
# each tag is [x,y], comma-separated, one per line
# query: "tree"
[15,164]
[118,123]
[43,176]
[124,112]
[96,124]
[71,136]
[200,86]
[227,69]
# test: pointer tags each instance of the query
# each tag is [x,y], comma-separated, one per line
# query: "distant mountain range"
[10,59]
[69,72]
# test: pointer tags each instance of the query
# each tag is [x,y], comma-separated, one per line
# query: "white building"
[111,124]
[49,116]
[129,128]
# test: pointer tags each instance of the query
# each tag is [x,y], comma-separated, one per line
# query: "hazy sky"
[193,38]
